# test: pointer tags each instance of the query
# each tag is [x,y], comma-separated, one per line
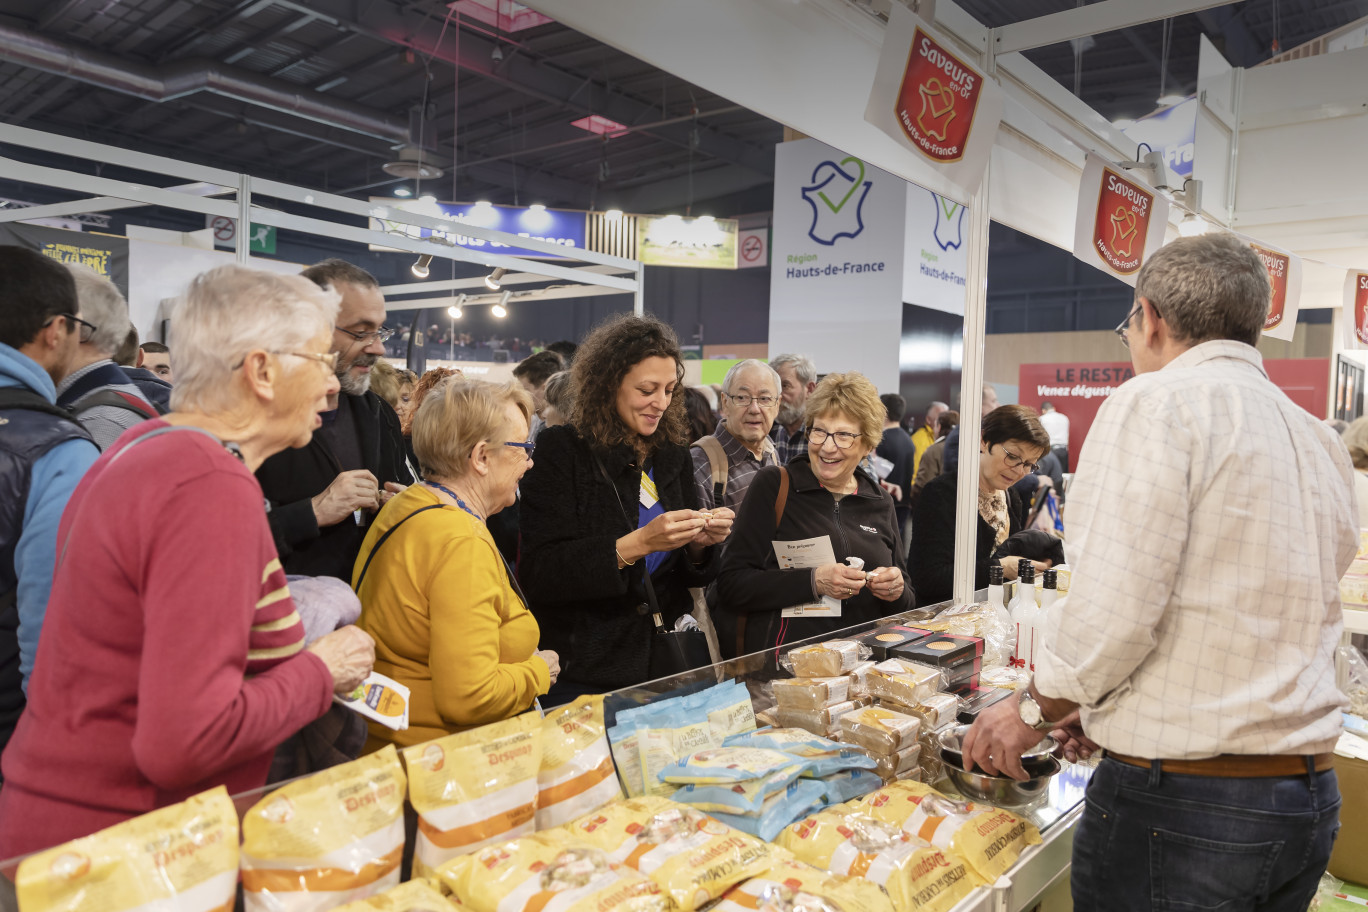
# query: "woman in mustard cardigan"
[446,615]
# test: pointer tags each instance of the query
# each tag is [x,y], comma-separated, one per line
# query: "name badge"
[649,495]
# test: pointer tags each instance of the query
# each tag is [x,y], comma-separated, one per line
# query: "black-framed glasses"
[1125,324]
[527,448]
[745,400]
[1017,462]
[844,440]
[86,330]
[383,334]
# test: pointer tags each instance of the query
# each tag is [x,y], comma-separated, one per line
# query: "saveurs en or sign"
[934,101]
[1356,301]
[937,100]
[1120,220]
[1284,277]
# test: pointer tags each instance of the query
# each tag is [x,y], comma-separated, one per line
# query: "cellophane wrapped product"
[792,886]
[903,764]
[779,810]
[989,839]
[824,722]
[473,789]
[420,895]
[850,784]
[811,693]
[834,657]
[918,876]
[180,858]
[823,755]
[577,773]
[880,730]
[692,856]
[729,765]
[549,871]
[327,839]
[905,682]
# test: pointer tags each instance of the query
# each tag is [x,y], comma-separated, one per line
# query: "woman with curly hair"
[610,498]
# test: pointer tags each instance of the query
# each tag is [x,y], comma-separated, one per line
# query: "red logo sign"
[1123,214]
[937,100]
[1361,306]
[1277,265]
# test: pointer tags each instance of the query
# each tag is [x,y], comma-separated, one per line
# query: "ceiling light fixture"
[500,310]
[613,215]
[537,207]
[1192,226]
[1166,101]
[492,281]
[403,192]
[484,204]
[420,268]
[427,198]
[454,311]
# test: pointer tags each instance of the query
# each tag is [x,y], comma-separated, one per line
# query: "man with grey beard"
[321,497]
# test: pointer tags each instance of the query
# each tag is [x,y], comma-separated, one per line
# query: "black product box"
[942,650]
[977,700]
[886,639]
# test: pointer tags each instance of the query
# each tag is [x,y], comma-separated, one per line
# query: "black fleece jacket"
[751,584]
[931,558]
[291,478]
[571,521]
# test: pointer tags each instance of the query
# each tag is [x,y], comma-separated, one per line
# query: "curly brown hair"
[611,350]
[424,386]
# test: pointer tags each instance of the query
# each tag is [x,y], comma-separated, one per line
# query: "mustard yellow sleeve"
[470,685]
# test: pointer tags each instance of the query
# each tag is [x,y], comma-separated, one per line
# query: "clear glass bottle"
[1024,611]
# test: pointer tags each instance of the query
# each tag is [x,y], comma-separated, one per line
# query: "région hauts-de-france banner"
[1356,309]
[1120,220]
[1285,275]
[933,101]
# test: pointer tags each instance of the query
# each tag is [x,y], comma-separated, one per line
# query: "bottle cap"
[1025,570]
[995,575]
[1051,578]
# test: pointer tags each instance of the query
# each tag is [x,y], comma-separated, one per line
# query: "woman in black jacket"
[829,498]
[586,543]
[1012,442]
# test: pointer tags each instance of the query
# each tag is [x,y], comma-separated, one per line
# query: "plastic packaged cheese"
[327,839]
[577,774]
[692,856]
[791,886]
[881,730]
[779,810]
[180,858]
[648,738]
[917,876]
[819,721]
[935,712]
[988,838]
[823,755]
[906,682]
[834,657]
[473,789]
[899,765]
[737,798]
[849,784]
[728,765]
[410,896]
[811,693]
[549,871]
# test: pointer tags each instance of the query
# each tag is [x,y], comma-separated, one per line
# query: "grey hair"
[101,304]
[1213,286]
[803,367]
[747,364]
[231,311]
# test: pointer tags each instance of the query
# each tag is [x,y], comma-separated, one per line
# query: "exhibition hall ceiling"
[513,107]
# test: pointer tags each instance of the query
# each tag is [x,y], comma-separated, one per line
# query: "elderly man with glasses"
[322,496]
[727,459]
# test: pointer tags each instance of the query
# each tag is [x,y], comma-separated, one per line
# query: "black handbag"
[672,651]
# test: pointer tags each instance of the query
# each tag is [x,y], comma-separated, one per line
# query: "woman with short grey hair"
[170,639]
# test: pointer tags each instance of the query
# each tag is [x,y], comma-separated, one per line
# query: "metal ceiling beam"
[1107,16]
[199,33]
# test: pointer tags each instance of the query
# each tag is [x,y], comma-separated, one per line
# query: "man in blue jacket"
[43,454]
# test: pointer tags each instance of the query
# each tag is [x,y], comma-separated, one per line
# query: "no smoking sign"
[753,248]
[224,228]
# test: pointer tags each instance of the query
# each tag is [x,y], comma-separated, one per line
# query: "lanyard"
[452,494]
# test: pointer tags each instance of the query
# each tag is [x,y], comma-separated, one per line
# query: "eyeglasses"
[844,440]
[1125,324]
[328,360]
[525,447]
[86,330]
[383,334]
[1017,462]
[745,401]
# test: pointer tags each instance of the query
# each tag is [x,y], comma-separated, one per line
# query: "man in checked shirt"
[1198,637]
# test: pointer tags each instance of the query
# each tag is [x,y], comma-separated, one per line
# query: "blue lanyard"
[452,494]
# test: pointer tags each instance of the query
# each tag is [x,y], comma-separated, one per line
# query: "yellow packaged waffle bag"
[181,858]
[325,840]
[988,838]
[410,896]
[692,856]
[918,876]
[577,774]
[792,886]
[473,789]
[549,872]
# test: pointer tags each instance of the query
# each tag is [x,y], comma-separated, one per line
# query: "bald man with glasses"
[322,497]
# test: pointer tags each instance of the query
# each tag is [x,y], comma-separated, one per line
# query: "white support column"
[243,236]
[639,305]
[971,386]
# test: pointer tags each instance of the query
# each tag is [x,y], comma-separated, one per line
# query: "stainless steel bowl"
[1001,790]
[1037,759]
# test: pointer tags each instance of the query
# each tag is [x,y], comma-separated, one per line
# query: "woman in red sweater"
[172,659]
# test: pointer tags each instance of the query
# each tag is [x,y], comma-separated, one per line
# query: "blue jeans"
[1152,842]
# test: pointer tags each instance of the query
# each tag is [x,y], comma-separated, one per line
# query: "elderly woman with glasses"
[172,658]
[448,619]
[822,494]
[1012,441]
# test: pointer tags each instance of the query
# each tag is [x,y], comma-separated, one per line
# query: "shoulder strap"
[113,399]
[781,499]
[717,461]
[12,397]
[645,574]
[384,538]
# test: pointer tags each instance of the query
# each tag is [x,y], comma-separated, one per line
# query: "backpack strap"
[717,461]
[390,531]
[780,501]
[114,399]
[13,397]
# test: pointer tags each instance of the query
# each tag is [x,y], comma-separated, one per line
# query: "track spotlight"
[420,268]
[492,281]
[500,310]
[454,311]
